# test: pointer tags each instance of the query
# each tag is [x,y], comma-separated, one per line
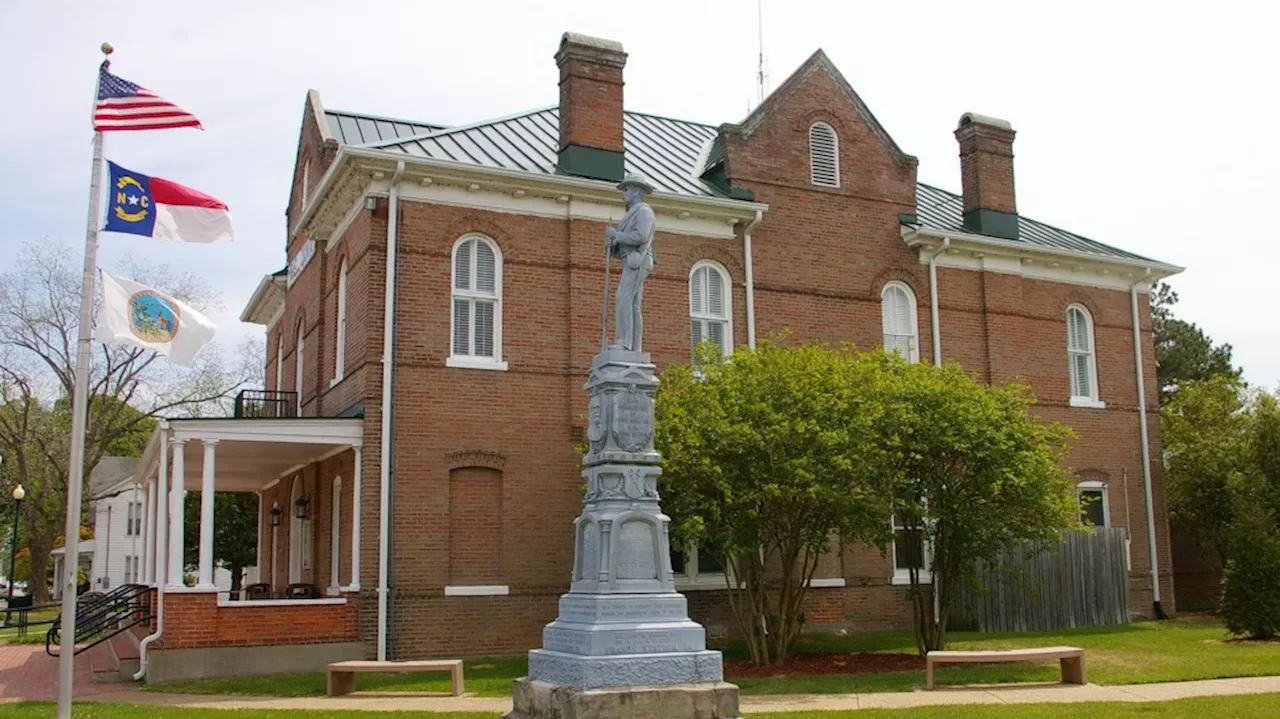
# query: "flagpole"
[79,417]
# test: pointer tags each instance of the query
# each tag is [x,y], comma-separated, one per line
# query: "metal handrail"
[117,611]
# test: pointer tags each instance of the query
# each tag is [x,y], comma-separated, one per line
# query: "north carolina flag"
[163,209]
[140,316]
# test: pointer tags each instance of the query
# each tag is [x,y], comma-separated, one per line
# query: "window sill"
[336,381]
[464,362]
[1087,403]
[826,582]
[478,590]
[904,579]
[704,583]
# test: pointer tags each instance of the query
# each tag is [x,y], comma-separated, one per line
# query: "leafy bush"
[1251,579]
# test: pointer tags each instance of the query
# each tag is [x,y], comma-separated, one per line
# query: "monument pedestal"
[536,699]
[623,645]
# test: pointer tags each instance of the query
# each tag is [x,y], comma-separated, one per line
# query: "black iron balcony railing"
[259,403]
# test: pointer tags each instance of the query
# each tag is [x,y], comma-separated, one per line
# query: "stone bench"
[341,676]
[1070,658]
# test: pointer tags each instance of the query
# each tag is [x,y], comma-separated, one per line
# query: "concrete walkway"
[1020,694]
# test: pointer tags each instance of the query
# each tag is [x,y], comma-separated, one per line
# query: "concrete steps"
[117,659]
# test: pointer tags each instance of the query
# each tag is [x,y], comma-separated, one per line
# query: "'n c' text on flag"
[123,105]
[163,209]
[140,316]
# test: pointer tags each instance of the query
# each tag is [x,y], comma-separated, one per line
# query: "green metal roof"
[353,128]
[664,150]
[676,155]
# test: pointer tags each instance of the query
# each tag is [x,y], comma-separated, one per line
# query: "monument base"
[534,699]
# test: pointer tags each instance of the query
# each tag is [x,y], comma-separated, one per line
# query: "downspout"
[388,360]
[751,282]
[937,362]
[933,301]
[1146,448]
[160,534]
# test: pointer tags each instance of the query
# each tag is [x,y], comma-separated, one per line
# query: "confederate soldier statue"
[632,243]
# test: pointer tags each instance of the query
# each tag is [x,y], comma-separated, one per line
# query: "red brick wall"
[821,258]
[194,620]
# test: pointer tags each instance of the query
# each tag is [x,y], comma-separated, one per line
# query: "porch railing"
[258,403]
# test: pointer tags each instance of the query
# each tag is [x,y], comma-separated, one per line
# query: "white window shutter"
[697,290]
[461,327]
[486,280]
[462,265]
[715,293]
[824,155]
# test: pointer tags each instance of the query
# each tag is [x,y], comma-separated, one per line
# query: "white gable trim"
[351,171]
[988,254]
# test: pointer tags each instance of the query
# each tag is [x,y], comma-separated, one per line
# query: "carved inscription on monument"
[636,557]
[590,561]
[597,422]
[633,420]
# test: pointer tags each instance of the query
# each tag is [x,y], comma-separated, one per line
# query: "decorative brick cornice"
[475,458]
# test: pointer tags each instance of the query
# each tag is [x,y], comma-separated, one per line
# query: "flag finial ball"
[106,48]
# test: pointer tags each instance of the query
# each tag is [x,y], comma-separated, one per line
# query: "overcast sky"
[1147,125]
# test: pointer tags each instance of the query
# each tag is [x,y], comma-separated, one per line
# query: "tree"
[1206,430]
[39,321]
[765,459]
[235,533]
[973,474]
[1184,352]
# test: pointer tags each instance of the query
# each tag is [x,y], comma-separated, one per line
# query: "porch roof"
[252,453]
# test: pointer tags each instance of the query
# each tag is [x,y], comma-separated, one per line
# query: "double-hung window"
[710,316]
[477,304]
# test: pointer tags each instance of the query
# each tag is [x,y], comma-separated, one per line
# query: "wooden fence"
[1082,582]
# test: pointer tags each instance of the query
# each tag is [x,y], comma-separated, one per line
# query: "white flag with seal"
[141,316]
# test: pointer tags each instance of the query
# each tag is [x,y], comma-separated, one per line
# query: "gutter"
[933,301]
[1160,269]
[591,189]
[1146,448]
[161,549]
[388,361]
[750,279]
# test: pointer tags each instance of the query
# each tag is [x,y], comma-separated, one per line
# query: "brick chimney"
[590,107]
[986,175]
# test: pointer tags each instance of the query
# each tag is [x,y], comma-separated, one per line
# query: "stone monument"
[623,646]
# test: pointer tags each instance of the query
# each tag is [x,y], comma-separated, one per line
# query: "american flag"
[123,105]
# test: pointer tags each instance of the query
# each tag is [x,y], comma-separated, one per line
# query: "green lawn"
[1145,652]
[1255,706]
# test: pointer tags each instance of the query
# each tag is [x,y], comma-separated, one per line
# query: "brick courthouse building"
[805,216]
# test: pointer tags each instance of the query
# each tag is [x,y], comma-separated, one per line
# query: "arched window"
[298,366]
[898,317]
[824,155]
[280,361]
[1082,364]
[299,535]
[477,304]
[710,314]
[340,342]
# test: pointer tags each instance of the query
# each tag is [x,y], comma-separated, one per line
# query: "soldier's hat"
[634,179]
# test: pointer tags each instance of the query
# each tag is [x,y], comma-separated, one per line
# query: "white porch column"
[176,495]
[147,573]
[205,575]
[355,525]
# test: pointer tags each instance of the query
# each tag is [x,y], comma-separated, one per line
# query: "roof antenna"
[760,76]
